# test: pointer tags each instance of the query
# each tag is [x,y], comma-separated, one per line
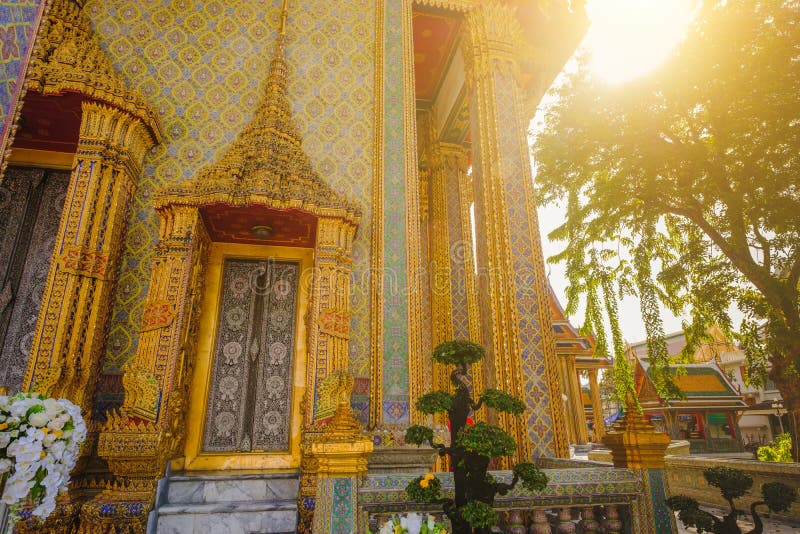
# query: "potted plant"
[471,446]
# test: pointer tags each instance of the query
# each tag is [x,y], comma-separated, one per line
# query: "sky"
[627,38]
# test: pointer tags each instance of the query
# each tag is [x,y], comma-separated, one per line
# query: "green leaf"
[419,435]
[435,402]
[502,401]
[458,352]
[486,440]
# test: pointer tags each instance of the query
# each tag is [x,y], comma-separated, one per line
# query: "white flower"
[5,465]
[57,449]
[39,419]
[46,508]
[37,445]
[35,434]
[16,490]
[49,439]
[20,407]
[57,422]
[431,522]
[412,522]
[24,450]
[52,407]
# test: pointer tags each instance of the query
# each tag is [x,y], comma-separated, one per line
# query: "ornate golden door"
[249,380]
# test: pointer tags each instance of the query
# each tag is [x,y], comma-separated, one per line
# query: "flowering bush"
[39,443]
[412,524]
[427,488]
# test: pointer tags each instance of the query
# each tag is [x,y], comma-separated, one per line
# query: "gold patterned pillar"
[516,322]
[69,337]
[148,430]
[330,311]
[597,406]
[453,286]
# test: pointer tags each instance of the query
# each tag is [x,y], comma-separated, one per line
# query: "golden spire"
[277,67]
[267,157]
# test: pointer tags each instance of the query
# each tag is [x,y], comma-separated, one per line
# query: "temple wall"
[19,20]
[201,65]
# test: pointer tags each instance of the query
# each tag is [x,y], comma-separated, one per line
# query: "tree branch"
[738,253]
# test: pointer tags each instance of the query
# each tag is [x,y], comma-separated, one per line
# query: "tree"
[683,188]
[471,446]
[733,484]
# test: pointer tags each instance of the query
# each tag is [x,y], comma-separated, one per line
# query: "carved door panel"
[249,398]
[31,202]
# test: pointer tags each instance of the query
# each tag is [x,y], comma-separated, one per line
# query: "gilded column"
[148,430]
[330,305]
[441,287]
[66,349]
[576,401]
[597,406]
[516,323]
[453,285]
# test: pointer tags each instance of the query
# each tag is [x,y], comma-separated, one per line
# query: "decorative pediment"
[68,59]
[266,164]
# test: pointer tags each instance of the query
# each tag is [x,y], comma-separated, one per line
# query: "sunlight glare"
[628,38]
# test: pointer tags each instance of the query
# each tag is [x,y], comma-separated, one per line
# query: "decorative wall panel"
[201,64]
[395,296]
[19,20]
[249,401]
[31,201]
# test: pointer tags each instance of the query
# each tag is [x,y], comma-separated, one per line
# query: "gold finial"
[284,16]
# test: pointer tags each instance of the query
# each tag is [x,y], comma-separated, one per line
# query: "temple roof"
[704,384]
[569,341]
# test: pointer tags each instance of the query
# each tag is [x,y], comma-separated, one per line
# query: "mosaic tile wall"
[18,22]
[395,322]
[521,235]
[201,64]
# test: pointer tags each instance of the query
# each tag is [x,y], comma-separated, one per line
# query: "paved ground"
[745,523]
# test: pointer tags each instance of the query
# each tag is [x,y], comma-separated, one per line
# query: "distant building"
[708,417]
[576,358]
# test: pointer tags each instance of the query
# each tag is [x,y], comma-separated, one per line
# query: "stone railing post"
[635,444]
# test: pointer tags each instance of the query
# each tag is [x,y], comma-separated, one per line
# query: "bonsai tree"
[471,446]
[732,483]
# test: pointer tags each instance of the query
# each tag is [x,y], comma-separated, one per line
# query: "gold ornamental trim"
[157,314]
[67,58]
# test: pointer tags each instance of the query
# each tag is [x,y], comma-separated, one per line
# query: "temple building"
[227,226]
[708,415]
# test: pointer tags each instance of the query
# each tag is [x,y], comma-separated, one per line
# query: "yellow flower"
[429,476]
[398,529]
[42,456]
[3,426]
[58,433]
[45,429]
[423,483]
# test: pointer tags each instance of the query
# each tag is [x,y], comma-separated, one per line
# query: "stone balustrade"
[684,476]
[580,497]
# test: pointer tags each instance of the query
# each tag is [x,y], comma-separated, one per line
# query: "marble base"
[413,460]
[238,504]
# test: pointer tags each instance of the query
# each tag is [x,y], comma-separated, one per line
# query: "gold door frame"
[195,459]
